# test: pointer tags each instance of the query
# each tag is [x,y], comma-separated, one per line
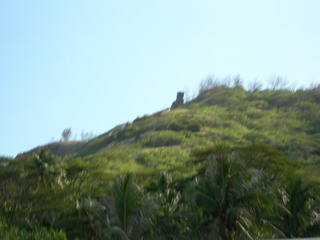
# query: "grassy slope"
[60,149]
[286,120]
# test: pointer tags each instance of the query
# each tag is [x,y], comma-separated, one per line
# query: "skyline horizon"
[228,80]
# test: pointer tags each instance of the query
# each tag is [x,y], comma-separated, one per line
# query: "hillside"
[60,149]
[230,164]
[286,120]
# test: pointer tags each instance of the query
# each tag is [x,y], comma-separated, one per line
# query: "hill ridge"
[287,120]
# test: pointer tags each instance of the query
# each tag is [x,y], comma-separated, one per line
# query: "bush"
[40,233]
[161,158]
[128,131]
[193,127]
[161,138]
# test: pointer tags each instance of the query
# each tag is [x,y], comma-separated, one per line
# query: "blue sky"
[91,65]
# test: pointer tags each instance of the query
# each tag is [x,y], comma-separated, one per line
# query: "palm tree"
[226,195]
[168,217]
[43,170]
[45,194]
[124,213]
[298,211]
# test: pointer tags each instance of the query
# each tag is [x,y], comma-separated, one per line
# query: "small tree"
[237,82]
[86,136]
[255,86]
[278,83]
[66,134]
[208,84]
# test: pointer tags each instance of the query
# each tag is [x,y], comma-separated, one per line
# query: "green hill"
[287,120]
[230,164]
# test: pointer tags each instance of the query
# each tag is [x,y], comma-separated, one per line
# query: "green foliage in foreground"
[228,196]
[40,233]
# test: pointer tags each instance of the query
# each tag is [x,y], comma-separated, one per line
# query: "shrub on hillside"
[128,131]
[161,138]
[193,127]
[41,233]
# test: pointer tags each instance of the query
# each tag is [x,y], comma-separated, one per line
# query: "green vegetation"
[230,164]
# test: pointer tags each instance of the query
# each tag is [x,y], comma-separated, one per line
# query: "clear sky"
[91,65]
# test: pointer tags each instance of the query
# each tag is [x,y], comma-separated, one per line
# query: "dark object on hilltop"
[178,101]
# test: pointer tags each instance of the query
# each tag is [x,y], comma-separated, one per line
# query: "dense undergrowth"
[230,164]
